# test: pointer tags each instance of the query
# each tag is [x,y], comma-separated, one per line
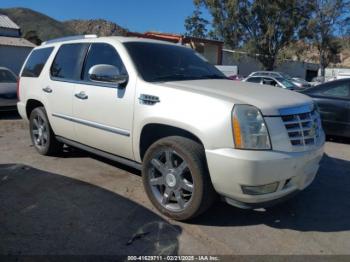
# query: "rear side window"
[269,81]
[7,77]
[68,61]
[102,53]
[36,62]
[254,79]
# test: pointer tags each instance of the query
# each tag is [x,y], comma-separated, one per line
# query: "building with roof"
[13,48]
[210,49]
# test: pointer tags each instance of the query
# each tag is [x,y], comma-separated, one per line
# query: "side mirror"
[106,74]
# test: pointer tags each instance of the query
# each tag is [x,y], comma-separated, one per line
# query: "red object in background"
[234,77]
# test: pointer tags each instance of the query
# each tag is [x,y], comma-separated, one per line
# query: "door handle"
[47,90]
[81,95]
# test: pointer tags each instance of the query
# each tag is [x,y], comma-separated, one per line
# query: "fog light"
[260,190]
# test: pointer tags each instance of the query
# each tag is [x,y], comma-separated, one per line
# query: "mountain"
[45,26]
[48,28]
[99,27]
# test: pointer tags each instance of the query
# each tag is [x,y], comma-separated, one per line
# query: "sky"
[135,15]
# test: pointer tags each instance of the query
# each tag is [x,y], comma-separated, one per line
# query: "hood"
[268,99]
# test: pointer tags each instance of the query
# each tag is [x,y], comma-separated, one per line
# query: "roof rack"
[68,38]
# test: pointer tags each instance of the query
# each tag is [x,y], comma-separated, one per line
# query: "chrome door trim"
[114,130]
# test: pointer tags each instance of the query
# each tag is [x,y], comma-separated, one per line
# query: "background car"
[317,80]
[8,89]
[273,81]
[305,84]
[333,101]
[296,81]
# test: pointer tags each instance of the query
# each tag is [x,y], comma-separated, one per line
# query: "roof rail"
[68,38]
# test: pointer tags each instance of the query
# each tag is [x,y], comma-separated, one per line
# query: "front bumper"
[230,169]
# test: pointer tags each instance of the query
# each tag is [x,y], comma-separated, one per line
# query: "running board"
[98,152]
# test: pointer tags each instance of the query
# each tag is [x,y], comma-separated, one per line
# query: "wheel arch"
[152,132]
[31,105]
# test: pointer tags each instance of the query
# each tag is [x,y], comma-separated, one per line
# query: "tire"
[180,196]
[44,141]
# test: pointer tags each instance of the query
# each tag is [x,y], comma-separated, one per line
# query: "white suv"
[164,109]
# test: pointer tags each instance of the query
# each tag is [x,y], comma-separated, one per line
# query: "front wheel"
[176,178]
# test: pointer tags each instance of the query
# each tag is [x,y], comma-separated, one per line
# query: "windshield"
[163,62]
[7,77]
[287,84]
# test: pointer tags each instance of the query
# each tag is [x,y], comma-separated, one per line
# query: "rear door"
[104,114]
[333,101]
[64,75]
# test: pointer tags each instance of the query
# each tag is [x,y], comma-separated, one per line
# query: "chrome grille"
[303,129]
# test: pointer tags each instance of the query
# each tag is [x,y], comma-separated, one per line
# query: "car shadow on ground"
[43,213]
[323,207]
[72,152]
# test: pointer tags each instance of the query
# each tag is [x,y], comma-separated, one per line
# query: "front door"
[103,113]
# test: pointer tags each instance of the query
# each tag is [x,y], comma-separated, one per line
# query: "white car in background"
[302,84]
[8,90]
[163,109]
[272,81]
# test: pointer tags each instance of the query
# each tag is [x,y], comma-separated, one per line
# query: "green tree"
[195,25]
[225,16]
[271,26]
[326,19]
[262,27]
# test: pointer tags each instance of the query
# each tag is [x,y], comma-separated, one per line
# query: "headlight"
[249,128]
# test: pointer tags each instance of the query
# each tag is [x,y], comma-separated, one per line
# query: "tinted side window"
[101,53]
[269,81]
[340,90]
[68,61]
[36,62]
[254,79]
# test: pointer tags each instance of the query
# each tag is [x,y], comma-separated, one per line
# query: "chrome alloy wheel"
[171,180]
[40,131]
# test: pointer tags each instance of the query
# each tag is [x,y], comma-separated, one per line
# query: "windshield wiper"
[213,76]
[175,77]
[172,77]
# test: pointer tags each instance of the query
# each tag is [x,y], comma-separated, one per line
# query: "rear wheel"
[41,133]
[176,178]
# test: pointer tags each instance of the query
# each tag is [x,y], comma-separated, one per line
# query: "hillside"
[99,27]
[29,20]
[48,28]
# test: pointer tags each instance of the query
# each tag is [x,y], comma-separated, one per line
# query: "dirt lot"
[81,204]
